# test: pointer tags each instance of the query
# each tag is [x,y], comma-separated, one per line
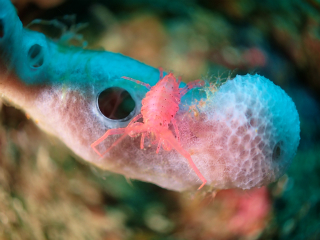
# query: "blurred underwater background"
[46,192]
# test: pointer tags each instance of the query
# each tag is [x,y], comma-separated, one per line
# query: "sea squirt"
[245,134]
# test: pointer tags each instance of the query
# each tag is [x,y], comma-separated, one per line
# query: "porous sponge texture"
[256,131]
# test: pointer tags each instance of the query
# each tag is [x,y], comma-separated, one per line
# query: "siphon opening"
[116,103]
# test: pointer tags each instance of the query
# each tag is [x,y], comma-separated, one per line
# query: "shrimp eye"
[116,103]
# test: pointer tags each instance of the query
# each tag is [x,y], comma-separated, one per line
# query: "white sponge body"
[257,131]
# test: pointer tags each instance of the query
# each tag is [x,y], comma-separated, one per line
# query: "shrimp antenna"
[138,82]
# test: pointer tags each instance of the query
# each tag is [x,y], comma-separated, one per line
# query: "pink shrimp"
[159,108]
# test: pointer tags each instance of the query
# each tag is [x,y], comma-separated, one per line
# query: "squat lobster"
[159,108]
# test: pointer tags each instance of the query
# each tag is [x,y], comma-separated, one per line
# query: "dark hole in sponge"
[116,103]
[36,56]
[277,152]
[1,28]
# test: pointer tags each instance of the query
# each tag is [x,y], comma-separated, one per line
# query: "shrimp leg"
[168,136]
[107,134]
[113,132]
[142,140]
[115,143]
[136,118]
[174,123]
[190,85]
[161,73]
[159,146]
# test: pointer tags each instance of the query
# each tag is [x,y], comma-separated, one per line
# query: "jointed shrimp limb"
[116,142]
[142,140]
[135,128]
[159,146]
[114,132]
[136,118]
[168,136]
[161,72]
[174,123]
[107,134]
[190,85]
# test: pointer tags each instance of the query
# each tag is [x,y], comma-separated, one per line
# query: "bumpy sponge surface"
[255,131]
